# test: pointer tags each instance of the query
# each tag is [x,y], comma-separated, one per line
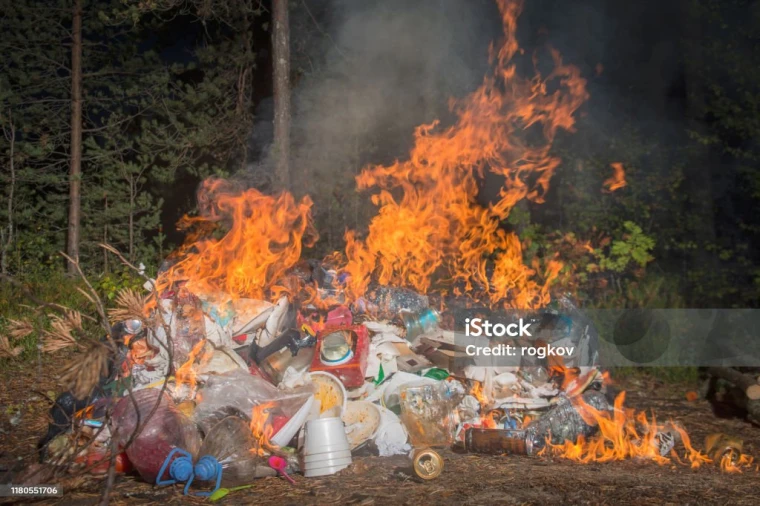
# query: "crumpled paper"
[382,351]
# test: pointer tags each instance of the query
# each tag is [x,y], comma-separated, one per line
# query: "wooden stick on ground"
[747,384]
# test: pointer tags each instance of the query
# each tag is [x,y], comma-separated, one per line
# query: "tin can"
[427,464]
[722,446]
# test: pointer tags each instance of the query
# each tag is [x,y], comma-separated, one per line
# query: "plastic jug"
[229,457]
[164,450]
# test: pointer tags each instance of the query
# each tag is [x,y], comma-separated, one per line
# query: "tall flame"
[261,427]
[429,224]
[185,374]
[265,238]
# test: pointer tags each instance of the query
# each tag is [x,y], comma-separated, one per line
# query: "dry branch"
[82,374]
[130,306]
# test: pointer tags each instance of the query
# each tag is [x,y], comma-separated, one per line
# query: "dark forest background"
[175,91]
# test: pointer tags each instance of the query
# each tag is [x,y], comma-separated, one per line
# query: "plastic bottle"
[229,457]
[564,422]
[427,412]
[164,450]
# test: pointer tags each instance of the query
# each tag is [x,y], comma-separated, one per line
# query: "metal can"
[427,464]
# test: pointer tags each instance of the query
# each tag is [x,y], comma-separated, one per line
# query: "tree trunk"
[10,135]
[105,234]
[281,71]
[698,184]
[75,168]
[132,192]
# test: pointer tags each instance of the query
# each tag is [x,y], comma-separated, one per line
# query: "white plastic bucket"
[328,462]
[317,457]
[325,435]
[323,471]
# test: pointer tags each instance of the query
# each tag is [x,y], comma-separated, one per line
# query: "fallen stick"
[747,384]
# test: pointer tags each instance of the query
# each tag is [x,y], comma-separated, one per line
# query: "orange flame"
[729,464]
[185,375]
[261,428]
[617,180]
[624,434]
[435,228]
[478,392]
[265,238]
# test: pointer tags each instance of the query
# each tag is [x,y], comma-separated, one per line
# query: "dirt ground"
[467,479]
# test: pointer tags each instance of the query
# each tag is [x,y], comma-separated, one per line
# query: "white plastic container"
[326,449]
[345,461]
[329,387]
[325,435]
[323,471]
[317,457]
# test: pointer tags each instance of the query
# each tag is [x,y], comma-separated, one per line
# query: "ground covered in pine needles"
[467,479]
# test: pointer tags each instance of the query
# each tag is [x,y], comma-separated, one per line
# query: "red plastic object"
[278,422]
[341,315]
[351,374]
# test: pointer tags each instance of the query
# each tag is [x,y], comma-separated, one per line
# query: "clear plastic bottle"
[168,441]
[427,412]
[564,422]
[229,456]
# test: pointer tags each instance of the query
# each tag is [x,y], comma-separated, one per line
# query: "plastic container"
[385,302]
[326,448]
[564,423]
[229,457]
[317,457]
[427,412]
[349,363]
[323,471]
[328,462]
[329,391]
[238,393]
[165,446]
[362,419]
[420,322]
[325,435]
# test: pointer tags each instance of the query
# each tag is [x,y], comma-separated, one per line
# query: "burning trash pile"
[246,361]
[215,397]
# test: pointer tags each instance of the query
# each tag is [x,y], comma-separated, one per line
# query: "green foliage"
[148,121]
[109,285]
[48,286]
[633,248]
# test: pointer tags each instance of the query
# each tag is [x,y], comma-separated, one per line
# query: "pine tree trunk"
[698,184]
[75,168]
[7,238]
[281,71]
